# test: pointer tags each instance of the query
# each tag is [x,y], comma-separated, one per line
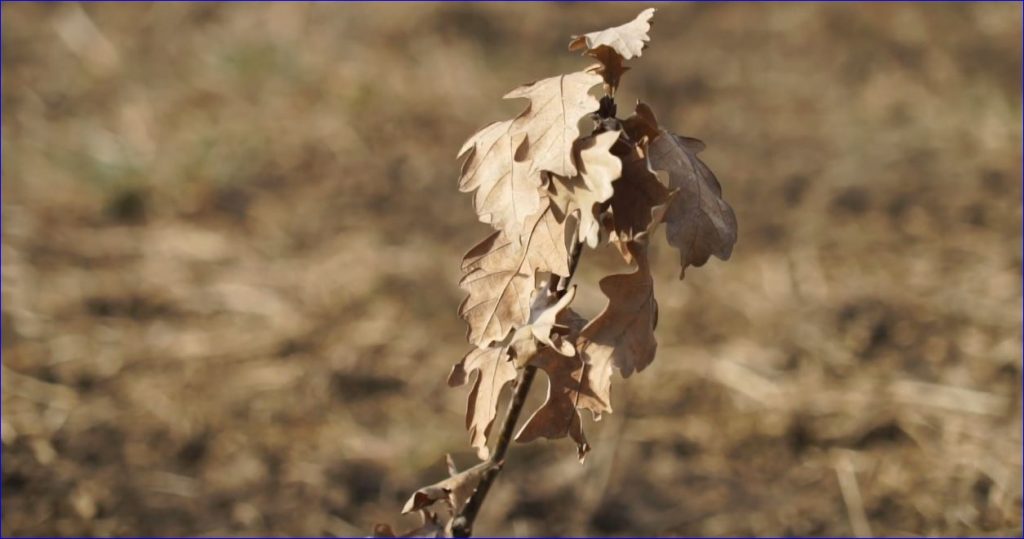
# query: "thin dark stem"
[462,524]
[562,284]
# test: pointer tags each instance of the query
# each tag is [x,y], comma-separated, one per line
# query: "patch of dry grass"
[230,245]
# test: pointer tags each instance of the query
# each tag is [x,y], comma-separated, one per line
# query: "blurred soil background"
[231,240]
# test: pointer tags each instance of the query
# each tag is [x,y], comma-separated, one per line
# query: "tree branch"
[462,524]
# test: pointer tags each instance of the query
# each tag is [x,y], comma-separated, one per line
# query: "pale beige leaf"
[567,195]
[622,335]
[613,45]
[455,490]
[598,169]
[504,160]
[543,324]
[558,416]
[495,371]
[506,190]
[546,310]
[500,276]
[598,166]
[628,40]
[551,123]
[699,222]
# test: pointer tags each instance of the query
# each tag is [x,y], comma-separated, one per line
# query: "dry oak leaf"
[699,222]
[504,160]
[622,335]
[609,66]
[558,416]
[455,490]
[613,45]
[495,371]
[544,313]
[641,124]
[628,40]
[551,123]
[500,276]
[598,169]
[506,191]
[639,204]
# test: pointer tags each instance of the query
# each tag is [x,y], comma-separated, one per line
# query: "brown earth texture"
[231,244]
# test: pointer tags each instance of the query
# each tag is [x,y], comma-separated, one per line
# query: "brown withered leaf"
[454,491]
[609,66]
[641,124]
[495,371]
[598,169]
[551,123]
[622,335]
[613,45]
[558,416]
[639,204]
[506,191]
[699,222]
[500,276]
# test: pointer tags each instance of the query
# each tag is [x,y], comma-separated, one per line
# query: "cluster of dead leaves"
[547,190]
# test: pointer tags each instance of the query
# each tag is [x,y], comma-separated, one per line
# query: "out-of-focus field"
[231,239]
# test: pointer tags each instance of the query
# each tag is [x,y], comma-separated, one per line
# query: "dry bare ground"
[231,237]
